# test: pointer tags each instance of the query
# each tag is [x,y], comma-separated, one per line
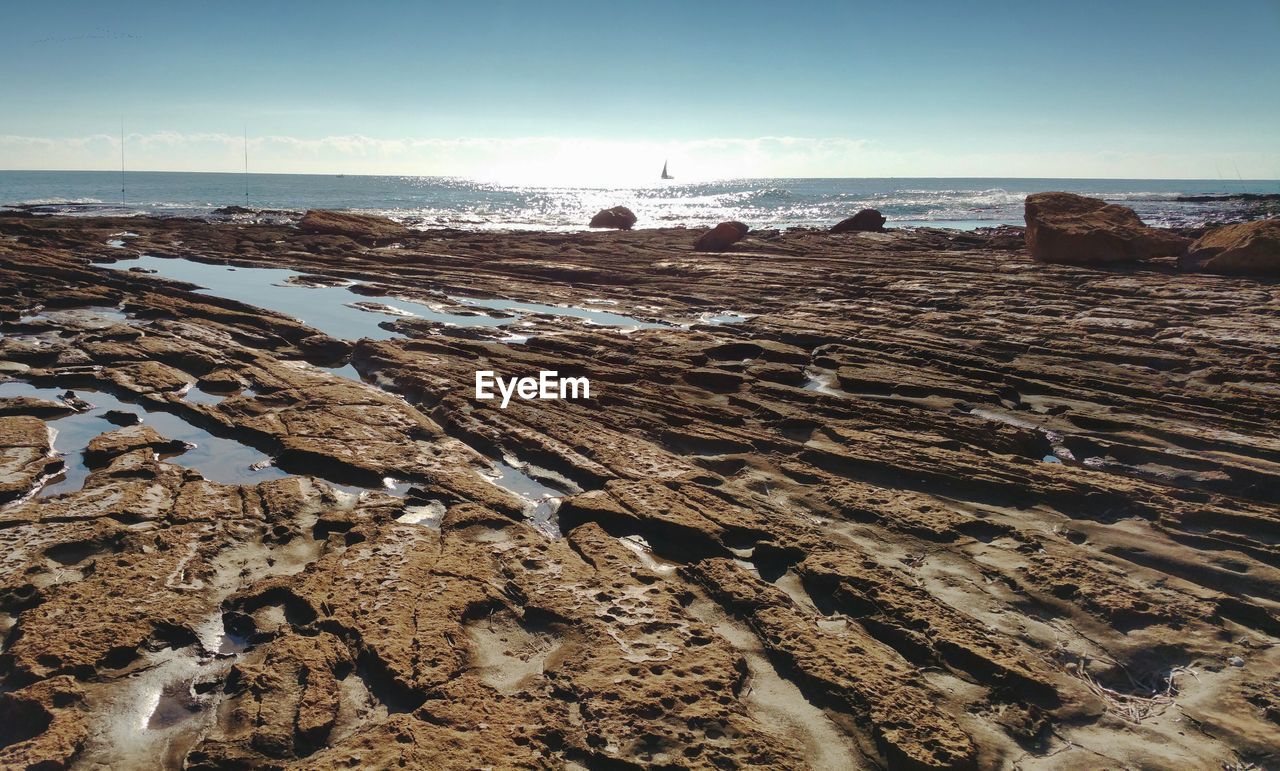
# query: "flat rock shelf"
[901,499]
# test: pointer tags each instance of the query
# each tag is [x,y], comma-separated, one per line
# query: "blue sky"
[1119,89]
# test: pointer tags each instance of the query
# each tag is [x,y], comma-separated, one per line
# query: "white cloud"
[553,160]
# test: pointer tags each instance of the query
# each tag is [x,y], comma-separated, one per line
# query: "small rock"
[121,418]
[867,220]
[1236,661]
[618,218]
[75,402]
[721,237]
[233,209]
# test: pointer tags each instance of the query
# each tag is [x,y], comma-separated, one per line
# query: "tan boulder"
[618,218]
[356,226]
[867,220]
[1251,248]
[1075,230]
[721,237]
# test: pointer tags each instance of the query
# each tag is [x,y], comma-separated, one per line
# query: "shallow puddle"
[542,500]
[590,315]
[429,514]
[1004,417]
[197,395]
[1056,440]
[394,487]
[645,554]
[117,240]
[330,309]
[346,370]
[824,382]
[339,312]
[217,459]
[92,316]
[149,718]
[727,317]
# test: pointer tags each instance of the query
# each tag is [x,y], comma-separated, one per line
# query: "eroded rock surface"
[26,453]
[902,499]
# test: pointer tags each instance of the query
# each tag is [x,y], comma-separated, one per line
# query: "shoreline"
[761,203]
[1264,207]
[918,480]
[249,215]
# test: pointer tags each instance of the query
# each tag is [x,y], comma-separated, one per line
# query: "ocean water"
[459,203]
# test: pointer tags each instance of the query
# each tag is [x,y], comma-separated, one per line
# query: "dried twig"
[1131,707]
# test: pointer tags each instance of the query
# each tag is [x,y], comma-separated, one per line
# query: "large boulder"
[1251,248]
[361,227]
[867,220]
[1074,230]
[618,218]
[721,237]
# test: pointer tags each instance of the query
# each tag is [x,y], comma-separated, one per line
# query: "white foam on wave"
[971,198]
[1136,196]
[59,202]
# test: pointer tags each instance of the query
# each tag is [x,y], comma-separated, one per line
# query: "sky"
[576,91]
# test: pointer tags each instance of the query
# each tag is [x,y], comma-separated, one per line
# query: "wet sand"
[902,498]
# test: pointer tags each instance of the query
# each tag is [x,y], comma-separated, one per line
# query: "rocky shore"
[903,498]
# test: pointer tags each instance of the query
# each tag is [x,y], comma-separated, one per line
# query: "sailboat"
[665,175]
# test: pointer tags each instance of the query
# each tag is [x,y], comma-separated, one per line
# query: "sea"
[468,204]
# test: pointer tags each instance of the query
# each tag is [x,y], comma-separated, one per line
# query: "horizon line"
[677,183]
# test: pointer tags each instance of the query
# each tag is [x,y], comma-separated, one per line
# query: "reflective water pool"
[327,308]
[217,459]
[590,315]
[339,312]
[543,501]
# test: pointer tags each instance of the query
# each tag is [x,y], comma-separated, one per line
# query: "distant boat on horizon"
[665,175]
